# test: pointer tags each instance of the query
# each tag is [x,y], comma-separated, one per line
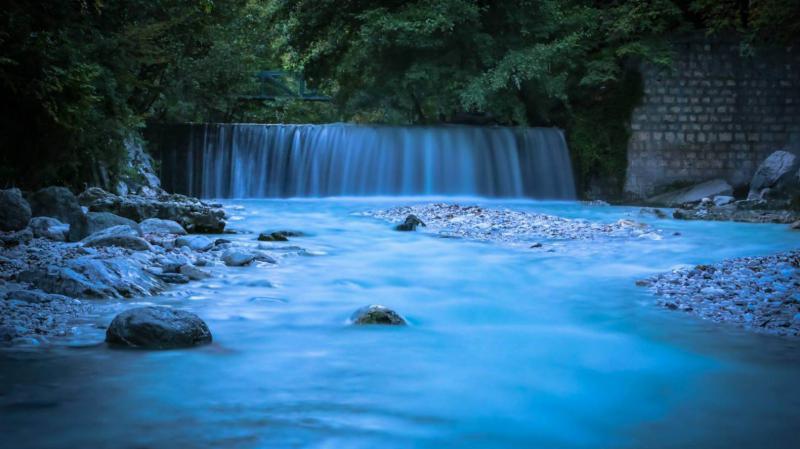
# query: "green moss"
[599,132]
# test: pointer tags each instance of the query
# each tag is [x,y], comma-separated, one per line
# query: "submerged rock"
[194,242]
[410,224]
[61,204]
[157,328]
[194,273]
[279,236]
[272,237]
[49,228]
[15,212]
[658,213]
[377,314]
[173,278]
[236,257]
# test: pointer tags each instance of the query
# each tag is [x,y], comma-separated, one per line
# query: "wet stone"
[377,314]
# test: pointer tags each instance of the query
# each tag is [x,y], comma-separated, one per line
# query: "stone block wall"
[715,114]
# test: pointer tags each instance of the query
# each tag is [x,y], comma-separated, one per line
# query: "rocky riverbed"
[58,276]
[761,294]
[510,227]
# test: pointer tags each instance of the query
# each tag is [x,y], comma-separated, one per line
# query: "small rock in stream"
[377,314]
[410,223]
[155,327]
[236,257]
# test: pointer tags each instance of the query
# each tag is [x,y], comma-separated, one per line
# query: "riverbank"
[55,282]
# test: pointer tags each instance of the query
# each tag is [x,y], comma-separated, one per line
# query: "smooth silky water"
[507,348]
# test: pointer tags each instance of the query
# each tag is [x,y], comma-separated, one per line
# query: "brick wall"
[715,114]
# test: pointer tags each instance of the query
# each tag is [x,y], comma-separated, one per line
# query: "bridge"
[276,84]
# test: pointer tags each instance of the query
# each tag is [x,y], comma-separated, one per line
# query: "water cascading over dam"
[263,161]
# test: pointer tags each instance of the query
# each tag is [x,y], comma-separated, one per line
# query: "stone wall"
[715,114]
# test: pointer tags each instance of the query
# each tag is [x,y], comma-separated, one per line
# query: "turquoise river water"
[507,348]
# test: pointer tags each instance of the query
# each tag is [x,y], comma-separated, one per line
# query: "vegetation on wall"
[79,76]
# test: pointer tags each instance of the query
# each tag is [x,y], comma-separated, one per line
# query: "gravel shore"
[511,227]
[761,294]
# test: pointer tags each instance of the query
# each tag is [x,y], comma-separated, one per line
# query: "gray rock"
[15,212]
[776,167]
[693,194]
[279,236]
[173,278]
[123,276]
[194,273]
[410,223]
[261,256]
[160,226]
[93,194]
[194,242]
[97,221]
[34,296]
[16,237]
[49,228]
[795,225]
[272,237]
[140,178]
[723,200]
[65,281]
[61,204]
[376,314]
[192,214]
[157,328]
[123,236]
[653,211]
[237,257]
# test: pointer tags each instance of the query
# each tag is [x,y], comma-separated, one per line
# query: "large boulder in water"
[61,204]
[15,212]
[157,328]
[377,314]
[774,173]
[692,194]
[193,215]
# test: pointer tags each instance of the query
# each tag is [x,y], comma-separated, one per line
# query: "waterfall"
[262,161]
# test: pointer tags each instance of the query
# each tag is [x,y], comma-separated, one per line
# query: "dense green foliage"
[80,76]
[77,77]
[517,62]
